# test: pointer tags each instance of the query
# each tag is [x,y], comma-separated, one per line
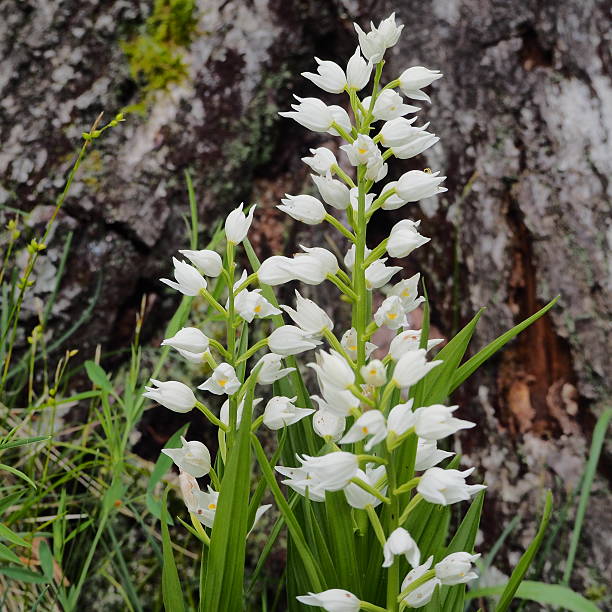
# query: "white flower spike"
[358,71]
[237,224]
[400,542]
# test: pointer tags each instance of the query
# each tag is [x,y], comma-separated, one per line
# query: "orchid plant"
[367,503]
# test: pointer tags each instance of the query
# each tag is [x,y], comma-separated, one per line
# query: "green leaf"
[46,559]
[98,376]
[223,591]
[171,586]
[523,565]
[14,443]
[162,465]
[546,594]
[599,435]
[18,473]
[6,554]
[471,365]
[23,575]
[11,536]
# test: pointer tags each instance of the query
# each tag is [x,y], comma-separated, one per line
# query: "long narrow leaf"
[171,586]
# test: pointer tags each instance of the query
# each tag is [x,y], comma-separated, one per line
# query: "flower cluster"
[378,446]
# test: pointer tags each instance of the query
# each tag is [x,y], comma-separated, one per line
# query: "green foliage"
[155,55]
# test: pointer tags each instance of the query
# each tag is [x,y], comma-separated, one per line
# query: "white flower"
[349,344]
[370,423]
[401,418]
[398,132]
[332,600]
[311,267]
[422,595]
[412,80]
[334,192]
[327,423]
[428,454]
[390,313]
[321,161]
[271,369]
[405,238]
[421,142]
[189,489]
[444,487]
[209,262]
[251,304]
[309,316]
[400,542]
[312,113]
[411,367]
[193,457]
[299,481]
[275,271]
[330,472]
[222,381]
[361,150]
[389,31]
[237,224]
[205,507]
[291,340]
[224,413]
[393,202]
[358,71]
[373,44]
[331,77]
[377,274]
[376,169]
[332,369]
[357,497]
[281,412]
[188,280]
[374,373]
[354,200]
[188,339]
[341,118]
[338,401]
[456,568]
[390,105]
[408,291]
[349,258]
[415,185]
[192,357]
[326,260]
[305,208]
[172,394]
[437,421]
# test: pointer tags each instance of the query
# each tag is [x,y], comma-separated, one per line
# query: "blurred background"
[524,114]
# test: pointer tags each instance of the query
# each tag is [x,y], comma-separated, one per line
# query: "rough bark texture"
[524,114]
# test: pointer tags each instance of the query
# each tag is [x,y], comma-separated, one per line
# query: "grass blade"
[171,586]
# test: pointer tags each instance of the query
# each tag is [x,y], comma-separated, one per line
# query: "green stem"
[251,278]
[256,347]
[343,175]
[370,489]
[218,347]
[342,286]
[393,584]
[211,417]
[412,504]
[376,524]
[335,344]
[426,577]
[208,296]
[407,486]
[345,232]
[364,398]
[342,132]
[370,607]
[376,253]
[378,202]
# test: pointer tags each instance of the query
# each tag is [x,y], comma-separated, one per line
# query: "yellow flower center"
[257,309]
[362,151]
[406,293]
[222,382]
[372,372]
[212,506]
[391,315]
[353,347]
[364,430]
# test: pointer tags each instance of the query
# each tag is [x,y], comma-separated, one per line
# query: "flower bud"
[444,487]
[389,31]
[372,44]
[330,76]
[291,340]
[224,413]
[305,208]
[405,238]
[332,600]
[209,262]
[321,161]
[358,71]
[188,280]
[411,367]
[237,224]
[334,192]
[332,369]
[275,270]
[193,457]
[172,394]
[281,412]
[400,542]
[436,422]
[417,77]
[415,185]
[326,423]
[428,454]
[400,419]
[330,472]
[390,105]
[309,316]
[416,146]
[456,568]
[377,274]
[271,369]
[188,339]
[312,113]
